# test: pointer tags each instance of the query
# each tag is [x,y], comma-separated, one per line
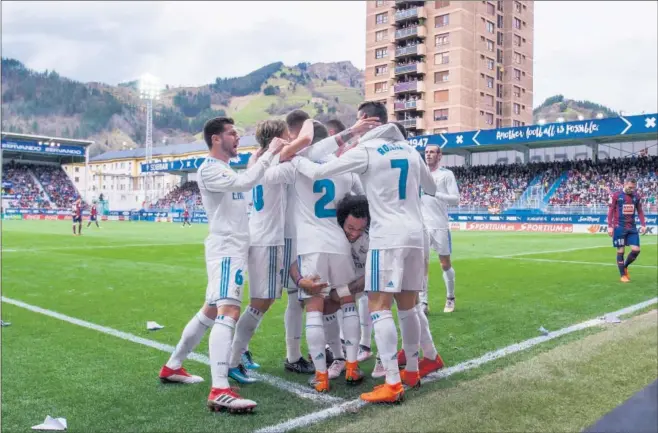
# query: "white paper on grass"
[51,423]
[153,326]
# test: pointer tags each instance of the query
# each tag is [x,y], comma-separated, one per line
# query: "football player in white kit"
[226,249]
[265,256]
[392,173]
[437,223]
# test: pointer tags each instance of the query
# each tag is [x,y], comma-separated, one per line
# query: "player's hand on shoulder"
[276,145]
[312,285]
[364,125]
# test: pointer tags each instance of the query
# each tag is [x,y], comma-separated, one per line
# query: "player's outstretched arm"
[279,174]
[452,197]
[216,178]
[354,161]
[304,139]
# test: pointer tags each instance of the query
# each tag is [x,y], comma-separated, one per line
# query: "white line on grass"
[294,388]
[353,405]
[573,262]
[94,247]
[530,253]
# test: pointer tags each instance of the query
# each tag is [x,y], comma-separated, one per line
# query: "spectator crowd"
[57,191]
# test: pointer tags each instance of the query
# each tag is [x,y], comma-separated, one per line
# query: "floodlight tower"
[149,91]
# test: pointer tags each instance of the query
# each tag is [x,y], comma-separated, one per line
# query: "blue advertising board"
[190,164]
[34,147]
[594,128]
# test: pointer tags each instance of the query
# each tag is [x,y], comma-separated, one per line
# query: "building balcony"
[418,105]
[413,123]
[411,87]
[409,14]
[404,3]
[414,68]
[413,50]
[409,32]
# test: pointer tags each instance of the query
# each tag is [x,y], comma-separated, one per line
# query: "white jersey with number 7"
[391,173]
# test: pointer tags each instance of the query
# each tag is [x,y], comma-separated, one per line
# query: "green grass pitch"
[128,273]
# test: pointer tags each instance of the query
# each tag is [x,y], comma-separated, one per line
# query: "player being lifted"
[226,249]
[93,215]
[76,213]
[392,173]
[623,208]
[437,223]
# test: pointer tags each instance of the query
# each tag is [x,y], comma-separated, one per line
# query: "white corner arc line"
[293,388]
[528,259]
[313,418]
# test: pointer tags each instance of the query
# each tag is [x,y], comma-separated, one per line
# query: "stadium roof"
[172,150]
[29,147]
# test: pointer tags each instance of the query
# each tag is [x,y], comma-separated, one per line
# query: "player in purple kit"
[624,205]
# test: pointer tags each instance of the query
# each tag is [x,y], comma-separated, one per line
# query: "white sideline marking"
[530,253]
[354,405]
[94,247]
[574,262]
[299,390]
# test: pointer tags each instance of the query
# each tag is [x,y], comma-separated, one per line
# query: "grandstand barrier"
[545,223]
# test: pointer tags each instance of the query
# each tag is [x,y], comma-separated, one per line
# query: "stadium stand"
[186,195]
[55,189]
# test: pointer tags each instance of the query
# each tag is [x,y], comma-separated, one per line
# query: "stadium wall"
[544,223]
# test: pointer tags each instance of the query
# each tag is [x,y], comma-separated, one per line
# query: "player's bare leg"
[173,371]
[449,278]
[244,331]
[316,341]
[386,336]
[222,397]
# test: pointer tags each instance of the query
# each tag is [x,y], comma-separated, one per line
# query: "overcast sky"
[605,51]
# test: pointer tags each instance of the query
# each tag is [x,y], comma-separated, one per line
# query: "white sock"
[426,341]
[366,322]
[315,340]
[351,331]
[244,330]
[386,337]
[332,335]
[410,330]
[449,278]
[192,335]
[221,337]
[339,315]
[293,321]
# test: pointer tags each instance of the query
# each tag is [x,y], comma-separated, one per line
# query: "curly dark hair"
[355,205]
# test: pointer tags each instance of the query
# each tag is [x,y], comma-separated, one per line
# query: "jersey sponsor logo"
[628,209]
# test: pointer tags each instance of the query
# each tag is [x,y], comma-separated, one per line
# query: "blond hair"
[267,130]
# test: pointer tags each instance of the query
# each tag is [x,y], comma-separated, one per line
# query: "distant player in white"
[265,256]
[392,173]
[437,223]
[226,247]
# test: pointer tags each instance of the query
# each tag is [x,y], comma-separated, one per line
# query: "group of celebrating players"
[335,212]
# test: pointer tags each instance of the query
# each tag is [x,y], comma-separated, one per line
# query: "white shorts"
[335,269]
[289,254]
[441,241]
[395,270]
[225,279]
[265,272]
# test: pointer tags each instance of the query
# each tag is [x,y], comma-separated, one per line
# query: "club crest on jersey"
[628,209]
[238,196]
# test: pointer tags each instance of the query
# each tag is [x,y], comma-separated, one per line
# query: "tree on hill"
[250,83]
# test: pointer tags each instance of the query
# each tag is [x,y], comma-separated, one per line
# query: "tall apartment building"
[448,66]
